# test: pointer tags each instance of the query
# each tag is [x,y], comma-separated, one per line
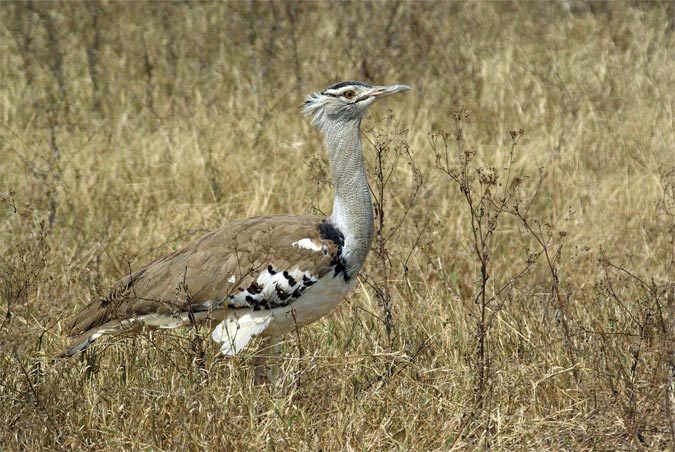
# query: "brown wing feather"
[203,270]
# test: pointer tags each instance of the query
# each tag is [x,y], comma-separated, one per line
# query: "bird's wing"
[256,264]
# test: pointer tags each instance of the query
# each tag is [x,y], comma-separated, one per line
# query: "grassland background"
[128,128]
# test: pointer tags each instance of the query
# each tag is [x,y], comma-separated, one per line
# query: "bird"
[263,276]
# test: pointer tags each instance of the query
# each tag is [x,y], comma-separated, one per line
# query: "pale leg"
[267,363]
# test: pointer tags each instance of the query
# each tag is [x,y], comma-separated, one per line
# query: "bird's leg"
[267,364]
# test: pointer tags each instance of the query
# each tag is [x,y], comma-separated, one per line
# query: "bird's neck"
[352,210]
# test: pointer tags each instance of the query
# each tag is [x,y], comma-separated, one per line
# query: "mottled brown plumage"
[210,269]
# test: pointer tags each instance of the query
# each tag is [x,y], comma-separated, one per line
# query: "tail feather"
[233,333]
[155,321]
[81,344]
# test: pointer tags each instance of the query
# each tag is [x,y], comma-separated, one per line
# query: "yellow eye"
[349,94]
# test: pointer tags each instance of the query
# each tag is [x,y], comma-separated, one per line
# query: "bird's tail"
[154,321]
[233,333]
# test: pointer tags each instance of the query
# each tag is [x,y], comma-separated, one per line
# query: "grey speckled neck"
[352,210]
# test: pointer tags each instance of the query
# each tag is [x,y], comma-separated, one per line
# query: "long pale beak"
[377,92]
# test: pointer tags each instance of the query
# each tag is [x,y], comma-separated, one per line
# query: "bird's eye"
[349,94]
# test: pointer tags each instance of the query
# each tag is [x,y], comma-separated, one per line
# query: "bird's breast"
[317,301]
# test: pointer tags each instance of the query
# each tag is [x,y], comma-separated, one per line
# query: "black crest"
[347,83]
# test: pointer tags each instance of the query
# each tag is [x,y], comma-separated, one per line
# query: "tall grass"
[520,294]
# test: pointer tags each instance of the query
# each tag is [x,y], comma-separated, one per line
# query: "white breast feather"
[242,325]
[235,332]
[316,302]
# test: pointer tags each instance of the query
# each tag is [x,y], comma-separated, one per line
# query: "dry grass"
[128,128]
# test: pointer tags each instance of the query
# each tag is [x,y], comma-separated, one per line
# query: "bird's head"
[345,101]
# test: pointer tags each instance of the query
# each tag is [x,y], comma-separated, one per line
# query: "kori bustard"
[263,276]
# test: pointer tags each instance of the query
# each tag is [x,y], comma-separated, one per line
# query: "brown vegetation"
[520,294]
